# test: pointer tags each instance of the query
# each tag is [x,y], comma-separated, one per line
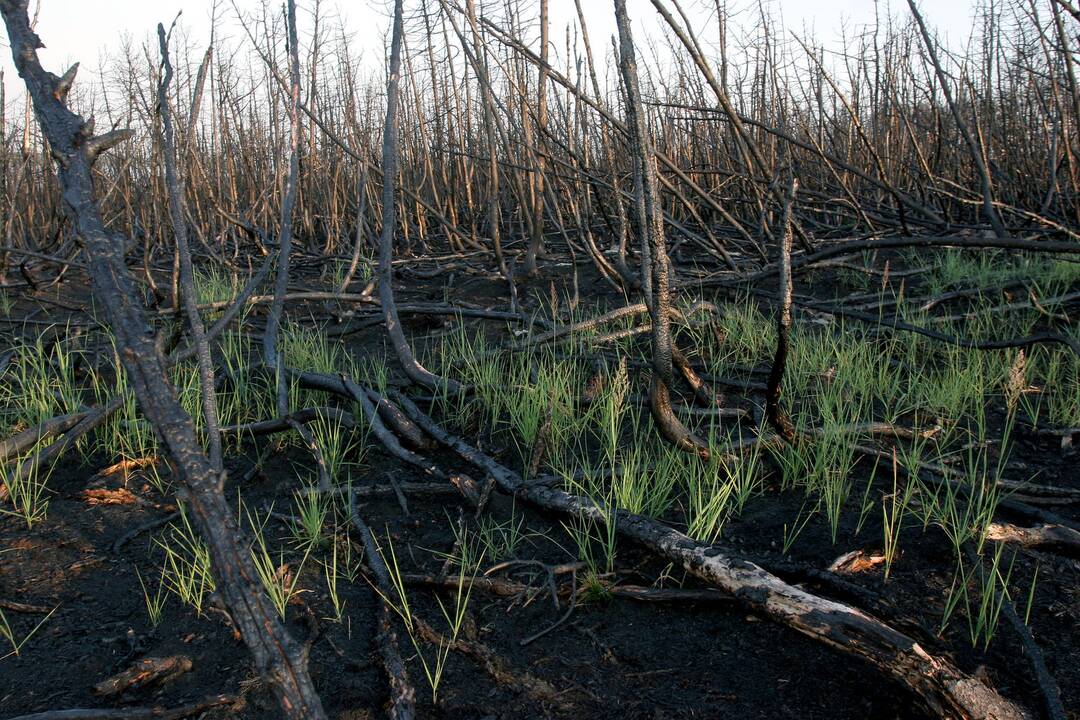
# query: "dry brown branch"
[147,671]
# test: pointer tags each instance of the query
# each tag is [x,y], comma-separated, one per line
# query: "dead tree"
[536,242]
[288,203]
[416,372]
[279,658]
[655,265]
[773,412]
[629,278]
[479,61]
[985,181]
[183,250]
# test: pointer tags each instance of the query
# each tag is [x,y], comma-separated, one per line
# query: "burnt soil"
[611,658]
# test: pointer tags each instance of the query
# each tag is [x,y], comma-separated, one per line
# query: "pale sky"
[88,31]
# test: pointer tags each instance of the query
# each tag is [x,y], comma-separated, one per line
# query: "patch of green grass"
[247,394]
[364,270]
[185,570]
[595,544]
[40,383]
[312,509]
[155,603]
[956,266]
[498,540]
[894,508]
[214,284]
[333,575]
[125,435]
[342,448]
[741,335]
[279,581]
[309,348]
[1055,373]
[469,357]
[540,394]
[454,616]
[26,482]
[983,590]
[7,633]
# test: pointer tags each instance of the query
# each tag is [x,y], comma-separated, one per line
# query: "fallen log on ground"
[1046,536]
[148,671]
[402,694]
[153,713]
[28,438]
[939,685]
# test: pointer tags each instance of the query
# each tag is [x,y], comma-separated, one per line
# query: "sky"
[76,30]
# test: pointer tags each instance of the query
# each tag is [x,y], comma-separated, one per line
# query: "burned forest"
[629,359]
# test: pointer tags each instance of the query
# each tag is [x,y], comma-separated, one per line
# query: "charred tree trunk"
[187,275]
[655,266]
[281,661]
[773,412]
[416,372]
[536,242]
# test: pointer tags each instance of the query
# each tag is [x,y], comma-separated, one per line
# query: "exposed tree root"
[668,425]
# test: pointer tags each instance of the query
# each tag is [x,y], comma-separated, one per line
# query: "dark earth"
[612,657]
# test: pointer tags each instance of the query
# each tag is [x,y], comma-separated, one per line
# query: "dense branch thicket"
[673,169]
[877,143]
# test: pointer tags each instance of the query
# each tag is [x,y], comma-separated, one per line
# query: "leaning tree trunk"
[655,266]
[177,212]
[985,181]
[416,372]
[280,659]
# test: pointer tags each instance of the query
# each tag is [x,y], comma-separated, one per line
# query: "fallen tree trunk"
[151,713]
[28,438]
[942,687]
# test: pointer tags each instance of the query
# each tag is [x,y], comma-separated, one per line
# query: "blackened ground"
[613,658]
